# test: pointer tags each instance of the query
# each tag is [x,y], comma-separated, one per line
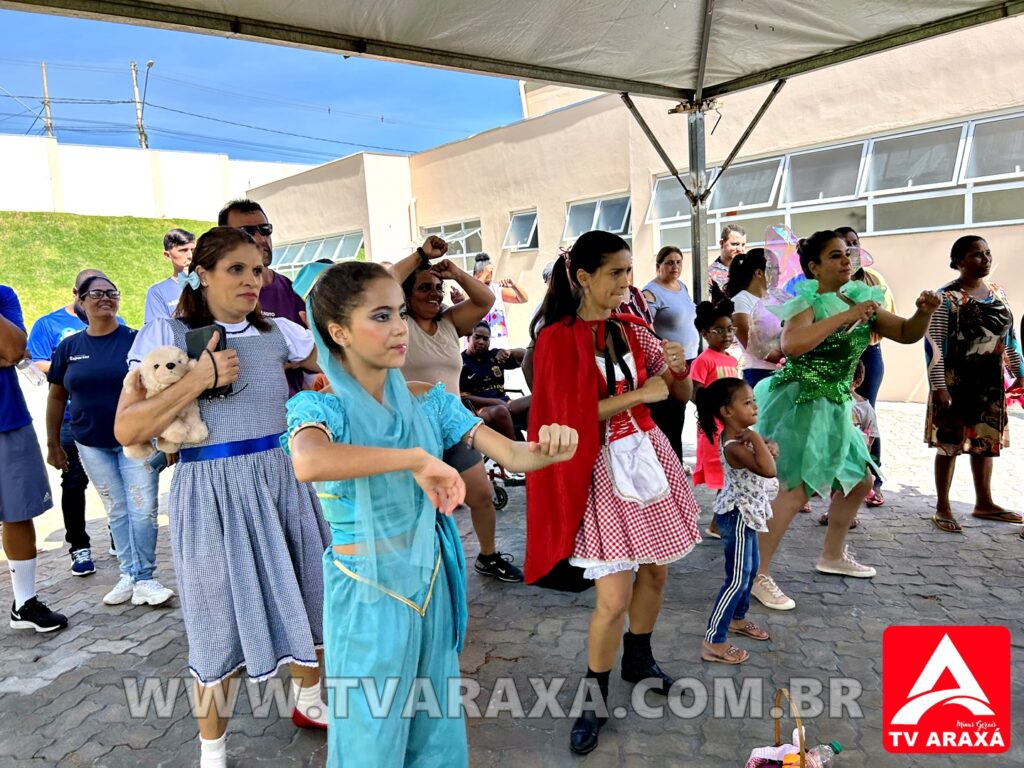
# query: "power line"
[274,130]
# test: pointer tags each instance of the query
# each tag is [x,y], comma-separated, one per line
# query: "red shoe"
[875,498]
[301,721]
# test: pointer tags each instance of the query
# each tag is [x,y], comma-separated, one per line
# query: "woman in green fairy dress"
[806,406]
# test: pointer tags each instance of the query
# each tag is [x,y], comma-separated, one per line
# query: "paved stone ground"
[63,700]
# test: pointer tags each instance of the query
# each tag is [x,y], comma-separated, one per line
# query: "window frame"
[957,162]
[716,171]
[825,200]
[533,232]
[657,179]
[920,195]
[962,177]
[624,226]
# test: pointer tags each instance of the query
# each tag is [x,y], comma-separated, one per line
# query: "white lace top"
[745,491]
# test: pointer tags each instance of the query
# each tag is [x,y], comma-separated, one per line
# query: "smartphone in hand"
[196,340]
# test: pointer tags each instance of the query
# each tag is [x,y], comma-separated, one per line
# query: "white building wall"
[41,174]
[388,195]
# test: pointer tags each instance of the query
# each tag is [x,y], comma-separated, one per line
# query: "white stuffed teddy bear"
[160,369]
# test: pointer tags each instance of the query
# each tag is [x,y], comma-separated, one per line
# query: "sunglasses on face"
[266,230]
[98,293]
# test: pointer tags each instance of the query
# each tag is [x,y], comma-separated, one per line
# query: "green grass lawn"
[40,254]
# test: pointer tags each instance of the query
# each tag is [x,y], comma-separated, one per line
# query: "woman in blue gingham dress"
[247,538]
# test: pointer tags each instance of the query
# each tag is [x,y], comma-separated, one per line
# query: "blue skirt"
[247,540]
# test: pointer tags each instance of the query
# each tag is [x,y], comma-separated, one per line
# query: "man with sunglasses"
[47,332]
[277,299]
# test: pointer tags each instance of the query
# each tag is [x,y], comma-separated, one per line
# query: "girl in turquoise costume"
[806,406]
[394,577]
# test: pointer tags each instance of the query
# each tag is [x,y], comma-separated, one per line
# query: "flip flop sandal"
[733,655]
[1006,516]
[751,630]
[875,499]
[823,520]
[806,507]
[946,526]
[712,534]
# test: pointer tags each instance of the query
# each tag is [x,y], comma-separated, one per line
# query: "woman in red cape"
[622,509]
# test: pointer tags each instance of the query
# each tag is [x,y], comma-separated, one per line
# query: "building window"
[931,212]
[913,161]
[996,150]
[804,222]
[997,205]
[610,214]
[747,185]
[668,201]
[522,232]
[289,259]
[823,175]
[464,240]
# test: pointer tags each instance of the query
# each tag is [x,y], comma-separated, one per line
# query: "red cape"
[566,388]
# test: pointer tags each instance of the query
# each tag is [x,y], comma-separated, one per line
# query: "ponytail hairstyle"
[742,269]
[711,400]
[708,314]
[810,249]
[337,292]
[211,248]
[562,300]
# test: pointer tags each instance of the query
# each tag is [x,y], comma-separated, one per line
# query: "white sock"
[213,752]
[309,703]
[23,580]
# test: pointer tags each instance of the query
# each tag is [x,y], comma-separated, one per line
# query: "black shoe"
[498,565]
[638,663]
[34,615]
[583,736]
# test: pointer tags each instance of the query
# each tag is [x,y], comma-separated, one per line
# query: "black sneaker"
[34,615]
[498,565]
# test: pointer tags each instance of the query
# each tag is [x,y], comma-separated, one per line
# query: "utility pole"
[143,141]
[47,117]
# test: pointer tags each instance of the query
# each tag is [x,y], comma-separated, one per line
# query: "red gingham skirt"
[616,530]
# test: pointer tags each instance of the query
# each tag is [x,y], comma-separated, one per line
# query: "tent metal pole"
[657,145]
[746,134]
[698,204]
[705,42]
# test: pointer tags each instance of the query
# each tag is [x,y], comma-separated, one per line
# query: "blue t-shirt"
[13,410]
[92,370]
[49,331]
[162,299]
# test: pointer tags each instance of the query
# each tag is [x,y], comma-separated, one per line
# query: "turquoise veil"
[394,521]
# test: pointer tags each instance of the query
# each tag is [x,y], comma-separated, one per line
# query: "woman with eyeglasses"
[435,355]
[88,367]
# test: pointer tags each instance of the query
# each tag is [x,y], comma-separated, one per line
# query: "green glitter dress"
[806,405]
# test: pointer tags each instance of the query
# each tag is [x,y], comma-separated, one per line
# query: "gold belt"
[420,609]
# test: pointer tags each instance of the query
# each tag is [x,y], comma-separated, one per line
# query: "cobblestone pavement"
[63,699]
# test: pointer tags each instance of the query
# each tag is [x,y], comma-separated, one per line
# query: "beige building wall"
[327,200]
[595,149]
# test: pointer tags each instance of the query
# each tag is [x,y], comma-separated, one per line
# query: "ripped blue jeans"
[129,493]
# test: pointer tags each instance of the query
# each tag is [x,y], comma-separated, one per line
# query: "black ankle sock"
[602,681]
[630,640]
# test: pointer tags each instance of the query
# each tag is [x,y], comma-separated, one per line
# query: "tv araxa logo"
[946,690]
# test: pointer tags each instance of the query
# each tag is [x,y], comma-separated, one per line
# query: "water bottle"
[824,755]
[31,371]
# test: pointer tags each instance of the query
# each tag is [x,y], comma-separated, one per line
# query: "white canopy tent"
[689,51]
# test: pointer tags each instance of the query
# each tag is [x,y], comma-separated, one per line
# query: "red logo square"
[946,690]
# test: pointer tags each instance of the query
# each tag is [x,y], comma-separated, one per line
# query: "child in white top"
[742,509]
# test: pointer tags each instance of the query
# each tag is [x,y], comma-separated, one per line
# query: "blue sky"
[286,89]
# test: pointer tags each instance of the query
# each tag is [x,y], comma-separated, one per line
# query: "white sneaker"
[150,592]
[846,566]
[121,593]
[770,596]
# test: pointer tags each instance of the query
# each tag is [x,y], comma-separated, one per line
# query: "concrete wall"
[389,235]
[41,174]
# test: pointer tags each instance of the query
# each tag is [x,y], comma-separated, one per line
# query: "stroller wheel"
[500,496]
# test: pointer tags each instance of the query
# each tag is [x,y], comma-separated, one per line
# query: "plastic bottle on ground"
[824,755]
